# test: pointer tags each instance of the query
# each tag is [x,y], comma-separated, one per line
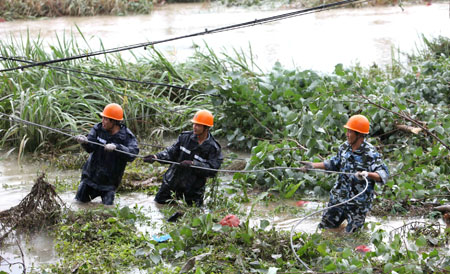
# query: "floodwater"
[16,180]
[316,41]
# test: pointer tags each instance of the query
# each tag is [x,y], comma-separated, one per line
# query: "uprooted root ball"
[41,207]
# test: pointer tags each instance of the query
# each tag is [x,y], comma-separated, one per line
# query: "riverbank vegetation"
[31,9]
[281,117]
[19,9]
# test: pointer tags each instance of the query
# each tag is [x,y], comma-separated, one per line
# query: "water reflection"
[315,41]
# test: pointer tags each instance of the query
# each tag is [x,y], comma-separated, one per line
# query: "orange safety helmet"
[203,117]
[358,123]
[113,111]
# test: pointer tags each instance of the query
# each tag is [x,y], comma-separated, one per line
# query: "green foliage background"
[281,116]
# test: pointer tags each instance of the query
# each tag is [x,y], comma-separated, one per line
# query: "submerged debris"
[41,207]
[430,230]
[237,165]
[386,207]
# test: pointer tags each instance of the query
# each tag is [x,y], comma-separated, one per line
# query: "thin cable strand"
[217,30]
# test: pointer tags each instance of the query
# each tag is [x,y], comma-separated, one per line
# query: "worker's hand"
[307,166]
[150,158]
[360,175]
[81,139]
[110,147]
[186,163]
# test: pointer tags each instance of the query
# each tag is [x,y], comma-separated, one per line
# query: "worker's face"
[352,136]
[198,129]
[107,124]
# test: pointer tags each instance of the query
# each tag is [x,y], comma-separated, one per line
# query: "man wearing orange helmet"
[193,148]
[359,157]
[103,171]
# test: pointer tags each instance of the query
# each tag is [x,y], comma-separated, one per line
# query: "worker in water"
[359,157]
[192,151]
[106,142]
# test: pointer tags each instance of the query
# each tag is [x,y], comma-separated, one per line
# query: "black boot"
[175,216]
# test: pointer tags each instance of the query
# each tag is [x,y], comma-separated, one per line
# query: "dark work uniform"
[103,171]
[187,182]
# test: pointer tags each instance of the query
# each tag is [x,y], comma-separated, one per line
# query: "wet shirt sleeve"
[92,137]
[377,165]
[171,153]
[130,146]
[214,162]
[334,163]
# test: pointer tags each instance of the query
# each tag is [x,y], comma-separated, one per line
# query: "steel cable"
[166,161]
[216,30]
[225,171]
[103,75]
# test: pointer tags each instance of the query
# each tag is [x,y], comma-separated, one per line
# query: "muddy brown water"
[316,41]
[16,180]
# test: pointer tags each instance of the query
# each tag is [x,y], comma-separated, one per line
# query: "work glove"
[307,166]
[186,163]
[150,158]
[110,147]
[360,175]
[81,139]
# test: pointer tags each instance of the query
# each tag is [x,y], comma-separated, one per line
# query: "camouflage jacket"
[365,158]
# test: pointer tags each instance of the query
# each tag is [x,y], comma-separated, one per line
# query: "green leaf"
[313,107]
[319,129]
[155,258]
[322,248]
[346,253]
[421,241]
[263,224]
[246,237]
[419,194]
[330,267]
[186,231]
[196,222]
[125,212]
[339,70]
[388,268]
[418,151]
[291,190]
[439,130]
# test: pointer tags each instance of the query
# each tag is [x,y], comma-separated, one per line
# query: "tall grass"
[13,9]
[71,101]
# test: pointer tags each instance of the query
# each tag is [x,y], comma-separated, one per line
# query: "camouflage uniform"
[365,158]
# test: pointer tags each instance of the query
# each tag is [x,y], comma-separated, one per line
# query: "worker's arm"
[320,165]
[374,176]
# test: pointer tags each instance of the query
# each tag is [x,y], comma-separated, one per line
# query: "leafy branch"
[408,118]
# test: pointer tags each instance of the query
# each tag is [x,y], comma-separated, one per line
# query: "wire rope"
[104,75]
[265,20]
[226,171]
[167,161]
